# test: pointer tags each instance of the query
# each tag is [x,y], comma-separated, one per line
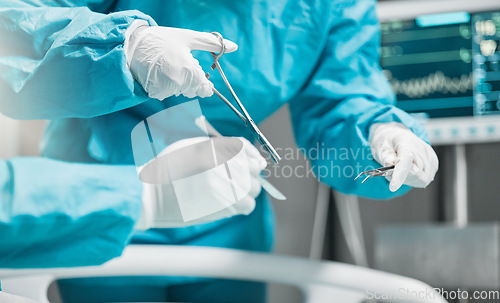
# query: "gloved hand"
[200,180]
[415,161]
[160,59]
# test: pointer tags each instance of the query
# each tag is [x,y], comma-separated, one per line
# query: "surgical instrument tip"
[378,172]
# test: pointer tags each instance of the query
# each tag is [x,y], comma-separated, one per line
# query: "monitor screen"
[444,65]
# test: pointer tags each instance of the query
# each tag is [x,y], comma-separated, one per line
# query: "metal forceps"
[245,116]
[378,172]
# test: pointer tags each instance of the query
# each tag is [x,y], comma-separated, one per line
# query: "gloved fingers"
[245,206]
[401,170]
[153,84]
[205,90]
[201,86]
[425,165]
[418,166]
[253,152]
[255,187]
[430,165]
[255,166]
[209,42]
[198,90]
[196,83]
[390,158]
[432,161]
[385,154]
[183,76]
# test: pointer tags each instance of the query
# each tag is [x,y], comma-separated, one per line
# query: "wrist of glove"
[160,59]
[415,161]
[220,183]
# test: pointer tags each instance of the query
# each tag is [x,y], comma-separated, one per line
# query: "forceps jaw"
[378,172]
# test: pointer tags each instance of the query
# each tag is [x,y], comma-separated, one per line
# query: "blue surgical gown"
[64,61]
[50,209]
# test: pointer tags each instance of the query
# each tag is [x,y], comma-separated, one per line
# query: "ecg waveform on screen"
[436,82]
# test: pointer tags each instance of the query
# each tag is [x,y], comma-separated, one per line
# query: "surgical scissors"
[378,172]
[245,116]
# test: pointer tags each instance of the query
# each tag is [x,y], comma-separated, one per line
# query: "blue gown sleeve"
[60,62]
[60,214]
[345,95]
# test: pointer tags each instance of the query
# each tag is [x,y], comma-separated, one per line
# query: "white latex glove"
[415,161]
[160,59]
[194,184]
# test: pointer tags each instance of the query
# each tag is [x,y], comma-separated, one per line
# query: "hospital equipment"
[203,123]
[319,281]
[377,172]
[245,116]
[442,60]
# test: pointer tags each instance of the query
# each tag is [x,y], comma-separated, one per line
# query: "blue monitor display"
[444,65]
